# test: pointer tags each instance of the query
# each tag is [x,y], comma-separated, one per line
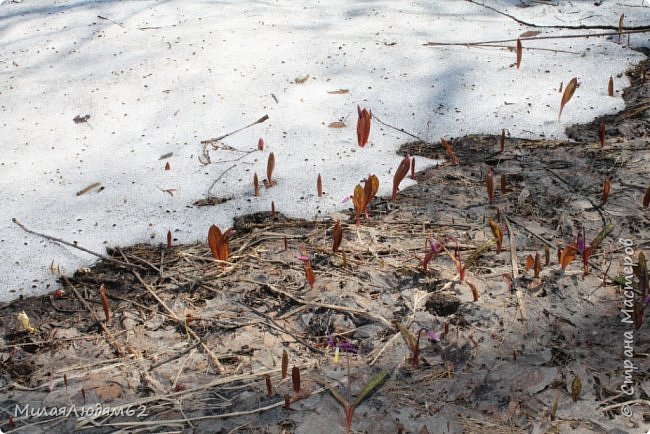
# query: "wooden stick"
[282,329]
[216,139]
[76,246]
[534,38]
[515,269]
[323,305]
[553,26]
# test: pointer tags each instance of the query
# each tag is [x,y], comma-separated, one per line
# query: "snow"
[161,76]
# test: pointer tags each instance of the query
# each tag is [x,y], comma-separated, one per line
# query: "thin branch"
[216,139]
[626,403]
[511,48]
[535,38]
[322,305]
[109,336]
[76,246]
[282,329]
[515,269]
[218,178]
[401,130]
[556,26]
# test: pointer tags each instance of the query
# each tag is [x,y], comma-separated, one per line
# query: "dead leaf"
[81,119]
[87,189]
[167,166]
[25,322]
[576,388]
[256,185]
[646,198]
[169,191]
[336,124]
[518,51]
[338,91]
[529,34]
[169,239]
[301,79]
[319,186]
[568,93]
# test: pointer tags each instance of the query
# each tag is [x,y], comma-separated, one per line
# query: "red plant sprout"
[413,341]
[583,249]
[219,242]
[436,247]
[363,126]
[309,271]
[370,188]
[400,174]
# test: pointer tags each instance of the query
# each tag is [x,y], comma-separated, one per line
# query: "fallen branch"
[626,403]
[401,130]
[322,305]
[535,38]
[278,327]
[76,246]
[554,26]
[217,139]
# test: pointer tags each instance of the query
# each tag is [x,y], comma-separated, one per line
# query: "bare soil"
[190,342]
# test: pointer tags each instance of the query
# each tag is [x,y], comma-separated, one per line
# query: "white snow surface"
[161,76]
